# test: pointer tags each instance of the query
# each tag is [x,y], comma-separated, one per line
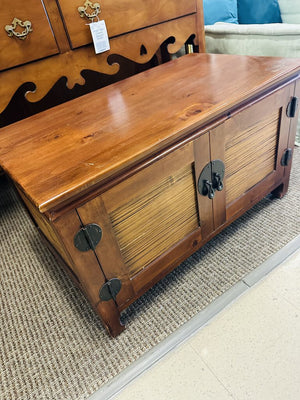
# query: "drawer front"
[121,16]
[37,44]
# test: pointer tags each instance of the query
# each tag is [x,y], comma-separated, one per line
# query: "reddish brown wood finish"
[100,135]
[86,268]
[107,252]
[205,206]
[45,72]
[128,157]
[282,189]
[57,27]
[200,37]
[107,153]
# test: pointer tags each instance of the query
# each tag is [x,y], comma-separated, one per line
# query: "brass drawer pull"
[88,4]
[10,29]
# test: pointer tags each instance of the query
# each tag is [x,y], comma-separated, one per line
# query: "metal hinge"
[292,107]
[110,289]
[286,158]
[88,237]
[211,178]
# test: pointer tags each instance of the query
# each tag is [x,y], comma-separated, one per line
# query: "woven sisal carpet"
[52,344]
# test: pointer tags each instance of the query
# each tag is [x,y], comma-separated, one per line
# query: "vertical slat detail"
[151,223]
[251,155]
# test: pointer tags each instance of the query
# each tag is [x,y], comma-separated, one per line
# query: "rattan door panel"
[251,144]
[151,223]
[145,217]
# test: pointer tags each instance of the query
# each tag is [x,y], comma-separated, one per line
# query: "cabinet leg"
[281,190]
[110,316]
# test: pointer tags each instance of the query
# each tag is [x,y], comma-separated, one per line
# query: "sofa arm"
[281,40]
[278,40]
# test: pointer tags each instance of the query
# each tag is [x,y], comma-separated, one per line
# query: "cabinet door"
[251,144]
[120,16]
[38,40]
[150,222]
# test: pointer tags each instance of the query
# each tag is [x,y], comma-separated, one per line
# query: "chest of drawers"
[44,41]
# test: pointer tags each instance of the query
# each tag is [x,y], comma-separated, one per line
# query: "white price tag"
[100,36]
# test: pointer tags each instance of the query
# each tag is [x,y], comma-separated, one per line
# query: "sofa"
[249,27]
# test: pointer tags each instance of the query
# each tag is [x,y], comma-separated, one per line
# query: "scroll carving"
[139,46]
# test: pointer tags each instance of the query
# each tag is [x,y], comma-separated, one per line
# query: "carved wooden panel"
[139,46]
[60,93]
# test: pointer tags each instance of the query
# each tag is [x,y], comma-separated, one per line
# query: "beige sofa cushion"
[281,40]
[290,11]
[278,40]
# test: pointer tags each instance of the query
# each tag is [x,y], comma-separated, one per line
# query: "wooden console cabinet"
[128,181]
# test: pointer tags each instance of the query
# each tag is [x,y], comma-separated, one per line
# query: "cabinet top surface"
[55,155]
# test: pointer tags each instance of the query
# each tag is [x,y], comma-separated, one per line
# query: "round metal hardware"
[211,178]
[110,289]
[88,237]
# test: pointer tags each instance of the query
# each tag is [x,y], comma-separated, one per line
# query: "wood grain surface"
[121,17]
[61,152]
[46,72]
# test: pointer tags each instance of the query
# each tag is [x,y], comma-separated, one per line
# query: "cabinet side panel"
[149,224]
[47,229]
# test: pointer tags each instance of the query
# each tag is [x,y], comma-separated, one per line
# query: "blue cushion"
[220,11]
[258,11]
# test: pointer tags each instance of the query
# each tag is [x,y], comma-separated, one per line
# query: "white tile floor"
[250,350]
